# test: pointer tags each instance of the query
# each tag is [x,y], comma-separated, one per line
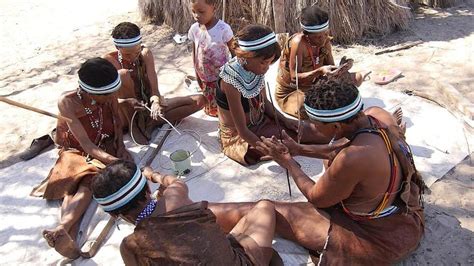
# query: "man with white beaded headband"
[366,208]
[136,66]
[89,133]
[172,230]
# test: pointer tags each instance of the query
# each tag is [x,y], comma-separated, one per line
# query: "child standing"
[211,38]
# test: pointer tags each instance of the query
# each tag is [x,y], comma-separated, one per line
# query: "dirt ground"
[42,56]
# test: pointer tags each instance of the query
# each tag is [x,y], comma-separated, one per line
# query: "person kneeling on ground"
[136,66]
[173,229]
[366,208]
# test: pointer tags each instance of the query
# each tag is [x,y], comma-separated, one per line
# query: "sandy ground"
[43,53]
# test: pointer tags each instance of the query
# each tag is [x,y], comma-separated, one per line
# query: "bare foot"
[398,115]
[62,242]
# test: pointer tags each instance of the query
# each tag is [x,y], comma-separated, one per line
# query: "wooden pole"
[223,9]
[31,108]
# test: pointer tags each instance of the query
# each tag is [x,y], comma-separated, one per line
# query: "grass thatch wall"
[350,19]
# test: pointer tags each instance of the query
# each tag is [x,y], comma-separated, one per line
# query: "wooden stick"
[223,9]
[31,108]
[279,129]
[403,47]
[98,242]
[105,231]
[300,132]
[157,149]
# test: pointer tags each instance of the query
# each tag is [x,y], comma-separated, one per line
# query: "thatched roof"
[350,20]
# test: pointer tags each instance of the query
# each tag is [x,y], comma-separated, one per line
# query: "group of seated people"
[365,208]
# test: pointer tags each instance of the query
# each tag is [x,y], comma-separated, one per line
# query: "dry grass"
[350,19]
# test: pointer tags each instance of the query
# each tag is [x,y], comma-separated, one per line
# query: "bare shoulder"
[111,58]
[146,52]
[382,115]
[128,243]
[360,155]
[67,100]
[296,40]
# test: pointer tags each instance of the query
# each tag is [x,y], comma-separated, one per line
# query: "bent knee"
[200,100]
[267,204]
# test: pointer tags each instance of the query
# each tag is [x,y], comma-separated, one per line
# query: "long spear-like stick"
[300,131]
[279,129]
[31,108]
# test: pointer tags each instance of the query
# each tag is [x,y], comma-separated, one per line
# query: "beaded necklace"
[120,59]
[147,211]
[96,122]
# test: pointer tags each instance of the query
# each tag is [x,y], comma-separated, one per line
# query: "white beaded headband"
[128,42]
[125,194]
[315,28]
[259,43]
[335,115]
[114,86]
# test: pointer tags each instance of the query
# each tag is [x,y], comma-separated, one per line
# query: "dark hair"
[125,30]
[330,95]
[252,33]
[313,15]
[97,72]
[209,2]
[113,178]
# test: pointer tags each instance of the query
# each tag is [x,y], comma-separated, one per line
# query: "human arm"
[238,114]
[122,151]
[128,256]
[67,108]
[335,185]
[329,59]
[304,78]
[231,47]
[320,151]
[158,102]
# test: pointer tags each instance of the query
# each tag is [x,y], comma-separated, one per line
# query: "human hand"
[134,103]
[156,110]
[324,70]
[278,151]
[290,143]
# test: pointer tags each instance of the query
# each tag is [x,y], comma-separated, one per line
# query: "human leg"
[180,107]
[299,221]
[255,232]
[62,238]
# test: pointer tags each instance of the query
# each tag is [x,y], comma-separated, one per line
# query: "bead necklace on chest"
[120,59]
[314,57]
[95,122]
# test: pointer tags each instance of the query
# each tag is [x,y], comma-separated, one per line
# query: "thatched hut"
[350,19]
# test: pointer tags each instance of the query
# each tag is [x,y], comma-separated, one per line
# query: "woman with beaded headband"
[172,230]
[310,52]
[136,66]
[245,114]
[89,141]
[366,208]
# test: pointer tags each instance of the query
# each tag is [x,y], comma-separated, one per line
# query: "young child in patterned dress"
[211,38]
